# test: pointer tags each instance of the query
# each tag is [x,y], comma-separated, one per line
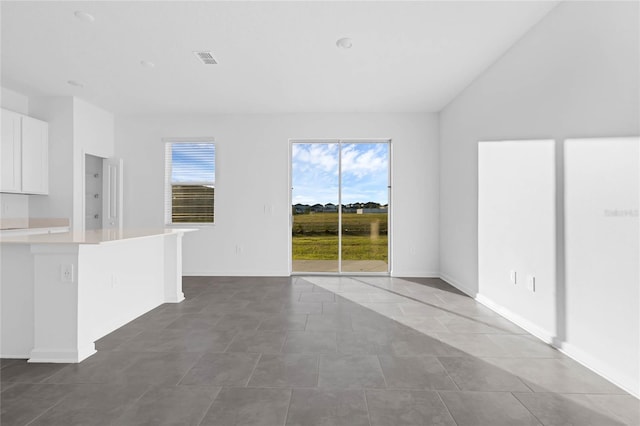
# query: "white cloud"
[322,156]
[363,160]
[364,173]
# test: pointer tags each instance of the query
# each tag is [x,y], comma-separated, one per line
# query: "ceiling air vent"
[206,58]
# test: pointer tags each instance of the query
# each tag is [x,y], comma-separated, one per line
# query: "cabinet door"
[10,153]
[35,156]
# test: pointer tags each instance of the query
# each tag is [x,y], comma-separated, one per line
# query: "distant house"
[330,208]
[317,208]
[300,208]
[376,210]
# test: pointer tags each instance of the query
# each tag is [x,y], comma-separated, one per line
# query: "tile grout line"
[384,378]
[190,368]
[525,383]
[526,408]
[447,371]
[286,417]
[366,404]
[253,370]
[45,411]
[318,372]
[128,406]
[446,408]
[209,406]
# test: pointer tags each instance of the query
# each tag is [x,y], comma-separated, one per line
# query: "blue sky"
[193,162]
[364,173]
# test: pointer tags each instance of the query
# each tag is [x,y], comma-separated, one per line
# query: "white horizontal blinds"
[189,182]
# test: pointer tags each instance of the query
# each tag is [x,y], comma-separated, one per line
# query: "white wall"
[14,206]
[58,112]
[14,101]
[93,133]
[602,189]
[93,129]
[574,74]
[253,172]
[76,128]
[517,231]
[16,301]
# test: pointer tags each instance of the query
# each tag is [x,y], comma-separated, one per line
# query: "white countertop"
[99,236]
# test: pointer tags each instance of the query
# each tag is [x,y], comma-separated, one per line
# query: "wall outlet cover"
[66,273]
[531,283]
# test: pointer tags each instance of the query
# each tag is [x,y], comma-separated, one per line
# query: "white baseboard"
[234,274]
[414,274]
[404,274]
[607,371]
[175,299]
[457,284]
[62,356]
[542,334]
[14,356]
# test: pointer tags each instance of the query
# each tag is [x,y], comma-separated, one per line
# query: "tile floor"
[315,351]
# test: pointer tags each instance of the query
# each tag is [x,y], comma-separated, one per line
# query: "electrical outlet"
[66,273]
[531,283]
[513,276]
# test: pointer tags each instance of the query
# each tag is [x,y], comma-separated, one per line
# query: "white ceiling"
[273,56]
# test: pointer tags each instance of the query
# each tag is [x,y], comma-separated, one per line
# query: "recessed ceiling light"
[84,16]
[75,83]
[344,43]
[147,64]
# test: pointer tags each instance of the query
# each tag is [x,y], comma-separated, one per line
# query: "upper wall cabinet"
[24,154]
[35,156]
[11,152]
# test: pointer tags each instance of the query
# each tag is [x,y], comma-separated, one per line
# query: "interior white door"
[112,193]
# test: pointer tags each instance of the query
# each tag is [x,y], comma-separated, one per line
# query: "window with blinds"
[190,178]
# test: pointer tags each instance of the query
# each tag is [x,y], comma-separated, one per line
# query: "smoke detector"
[206,58]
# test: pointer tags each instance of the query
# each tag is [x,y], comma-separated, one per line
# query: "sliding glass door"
[340,206]
[315,195]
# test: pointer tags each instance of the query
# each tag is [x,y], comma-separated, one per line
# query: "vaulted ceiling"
[272,56]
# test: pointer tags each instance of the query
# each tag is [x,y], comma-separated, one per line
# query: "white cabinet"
[24,154]
[35,156]
[10,152]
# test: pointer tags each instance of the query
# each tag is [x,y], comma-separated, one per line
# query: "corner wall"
[252,184]
[575,74]
[76,128]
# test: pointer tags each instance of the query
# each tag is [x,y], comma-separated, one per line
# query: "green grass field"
[327,223]
[315,236]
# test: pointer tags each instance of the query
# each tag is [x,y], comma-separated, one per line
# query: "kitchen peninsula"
[60,292]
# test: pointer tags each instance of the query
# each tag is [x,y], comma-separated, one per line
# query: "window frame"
[168,193]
